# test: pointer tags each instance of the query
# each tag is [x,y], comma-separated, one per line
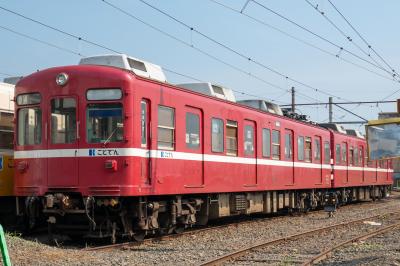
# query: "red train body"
[110,147]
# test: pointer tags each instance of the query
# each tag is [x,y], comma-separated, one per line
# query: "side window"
[351,155]
[361,156]
[248,140]
[276,144]
[288,145]
[217,135]
[231,138]
[192,131]
[266,148]
[63,121]
[337,154]
[166,128]
[317,149]
[327,152]
[344,153]
[300,148]
[307,149]
[355,157]
[144,122]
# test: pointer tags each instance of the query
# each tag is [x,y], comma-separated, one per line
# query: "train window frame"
[248,140]
[338,154]
[344,153]
[231,127]
[355,156]
[327,152]
[308,149]
[104,90]
[167,128]
[317,149]
[276,146]
[351,156]
[300,148]
[116,135]
[27,100]
[288,144]
[37,128]
[144,121]
[266,142]
[192,131]
[217,131]
[70,134]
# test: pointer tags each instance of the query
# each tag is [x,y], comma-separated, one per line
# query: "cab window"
[29,126]
[104,123]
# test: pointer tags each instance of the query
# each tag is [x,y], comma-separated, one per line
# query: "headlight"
[62,79]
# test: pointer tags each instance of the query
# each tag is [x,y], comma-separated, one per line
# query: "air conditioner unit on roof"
[139,67]
[210,89]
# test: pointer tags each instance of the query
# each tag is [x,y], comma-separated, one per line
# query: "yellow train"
[7,199]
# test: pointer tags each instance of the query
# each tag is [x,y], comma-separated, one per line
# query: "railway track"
[200,230]
[236,255]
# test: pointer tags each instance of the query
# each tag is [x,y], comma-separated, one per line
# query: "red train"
[108,148]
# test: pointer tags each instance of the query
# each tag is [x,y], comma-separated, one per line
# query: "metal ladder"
[3,248]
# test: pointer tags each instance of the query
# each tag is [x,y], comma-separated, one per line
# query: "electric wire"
[302,40]
[115,51]
[341,48]
[41,41]
[347,37]
[362,38]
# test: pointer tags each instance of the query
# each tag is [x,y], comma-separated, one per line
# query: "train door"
[317,158]
[249,150]
[289,174]
[63,142]
[145,165]
[194,168]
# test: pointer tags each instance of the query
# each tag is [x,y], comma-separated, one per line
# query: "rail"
[241,252]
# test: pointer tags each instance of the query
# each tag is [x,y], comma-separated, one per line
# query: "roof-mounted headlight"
[62,79]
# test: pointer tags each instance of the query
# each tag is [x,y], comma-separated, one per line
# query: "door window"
[192,131]
[248,140]
[63,120]
[29,126]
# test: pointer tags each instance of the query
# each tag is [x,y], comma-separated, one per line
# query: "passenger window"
[361,152]
[351,156]
[166,128]
[266,150]
[288,145]
[231,138]
[217,135]
[344,153]
[317,149]
[327,152]
[29,126]
[104,123]
[276,144]
[356,159]
[300,148]
[337,155]
[6,130]
[192,131]
[248,140]
[307,149]
[63,120]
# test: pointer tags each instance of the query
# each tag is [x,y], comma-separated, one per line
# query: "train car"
[107,148]
[7,199]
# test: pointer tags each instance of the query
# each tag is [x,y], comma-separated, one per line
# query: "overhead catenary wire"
[115,51]
[362,38]
[341,48]
[246,57]
[263,23]
[347,37]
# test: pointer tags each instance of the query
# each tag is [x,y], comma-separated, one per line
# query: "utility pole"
[330,109]
[293,99]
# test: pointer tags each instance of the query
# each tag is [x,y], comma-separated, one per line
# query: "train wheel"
[139,235]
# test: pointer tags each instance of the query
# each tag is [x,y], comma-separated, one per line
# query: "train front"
[72,128]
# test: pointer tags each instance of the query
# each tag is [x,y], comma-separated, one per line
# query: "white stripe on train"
[173,155]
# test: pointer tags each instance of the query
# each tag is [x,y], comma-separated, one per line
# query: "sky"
[219,44]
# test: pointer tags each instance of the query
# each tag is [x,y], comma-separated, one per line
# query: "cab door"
[63,142]
[145,166]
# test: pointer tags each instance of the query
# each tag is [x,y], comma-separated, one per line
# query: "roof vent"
[263,106]
[334,127]
[211,90]
[356,133]
[139,67]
